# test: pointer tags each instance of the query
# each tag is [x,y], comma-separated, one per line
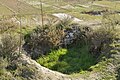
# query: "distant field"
[110,4]
[4,10]
[19,7]
[75,7]
[72,7]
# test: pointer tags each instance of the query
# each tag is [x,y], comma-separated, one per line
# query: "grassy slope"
[4,10]
[75,8]
[99,67]
[15,5]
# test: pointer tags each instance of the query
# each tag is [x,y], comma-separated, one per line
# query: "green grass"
[110,4]
[49,8]
[68,61]
[78,7]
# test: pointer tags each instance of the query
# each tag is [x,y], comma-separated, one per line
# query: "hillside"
[59,40]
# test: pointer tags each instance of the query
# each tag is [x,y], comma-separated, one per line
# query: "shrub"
[9,45]
[43,40]
[7,25]
[53,36]
[104,35]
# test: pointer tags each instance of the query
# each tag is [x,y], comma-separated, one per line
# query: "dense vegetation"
[71,60]
[81,51]
[91,50]
[79,57]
